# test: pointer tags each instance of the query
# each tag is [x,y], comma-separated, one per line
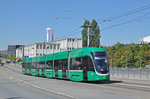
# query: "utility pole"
[87,26]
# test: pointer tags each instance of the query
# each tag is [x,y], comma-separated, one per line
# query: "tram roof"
[85,51]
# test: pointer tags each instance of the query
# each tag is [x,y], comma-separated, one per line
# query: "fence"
[134,73]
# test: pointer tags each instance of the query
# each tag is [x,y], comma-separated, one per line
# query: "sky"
[24,22]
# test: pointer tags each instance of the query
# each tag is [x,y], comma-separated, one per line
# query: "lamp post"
[87,26]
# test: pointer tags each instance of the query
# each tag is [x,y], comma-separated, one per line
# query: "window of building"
[47,47]
[50,46]
[54,46]
[58,47]
[44,46]
[40,46]
[37,46]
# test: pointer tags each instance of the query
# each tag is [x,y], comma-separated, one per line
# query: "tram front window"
[101,63]
[101,66]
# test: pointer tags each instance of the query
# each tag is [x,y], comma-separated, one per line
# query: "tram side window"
[49,64]
[28,65]
[64,64]
[56,65]
[38,65]
[41,65]
[33,65]
[59,65]
[81,63]
[76,63]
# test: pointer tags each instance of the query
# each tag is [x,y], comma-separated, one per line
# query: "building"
[44,48]
[11,51]
[3,53]
[69,43]
[145,40]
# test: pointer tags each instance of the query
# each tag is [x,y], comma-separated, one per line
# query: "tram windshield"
[101,63]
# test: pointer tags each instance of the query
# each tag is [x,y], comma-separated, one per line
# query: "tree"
[94,32]
[84,33]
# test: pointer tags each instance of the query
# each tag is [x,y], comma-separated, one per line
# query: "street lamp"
[87,26]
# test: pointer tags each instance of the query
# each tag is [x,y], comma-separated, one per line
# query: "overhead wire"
[140,17]
[113,18]
[126,13]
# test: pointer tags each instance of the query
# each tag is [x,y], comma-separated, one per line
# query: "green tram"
[82,64]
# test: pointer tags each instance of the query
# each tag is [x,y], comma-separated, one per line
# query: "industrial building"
[11,51]
[44,48]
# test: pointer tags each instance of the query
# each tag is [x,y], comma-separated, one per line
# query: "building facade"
[3,53]
[11,51]
[145,40]
[45,48]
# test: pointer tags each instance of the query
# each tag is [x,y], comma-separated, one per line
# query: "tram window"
[56,65]
[27,65]
[41,65]
[64,66]
[32,66]
[59,65]
[49,64]
[99,54]
[76,64]
[38,65]
[90,64]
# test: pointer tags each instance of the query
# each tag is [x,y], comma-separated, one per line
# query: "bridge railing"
[133,73]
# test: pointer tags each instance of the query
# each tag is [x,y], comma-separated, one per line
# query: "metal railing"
[134,73]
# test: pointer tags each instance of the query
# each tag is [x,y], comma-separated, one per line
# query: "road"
[10,88]
[55,88]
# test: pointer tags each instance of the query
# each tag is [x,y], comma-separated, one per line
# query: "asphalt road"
[55,88]
[10,88]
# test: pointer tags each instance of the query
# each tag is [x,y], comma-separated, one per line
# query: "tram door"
[56,68]
[64,68]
